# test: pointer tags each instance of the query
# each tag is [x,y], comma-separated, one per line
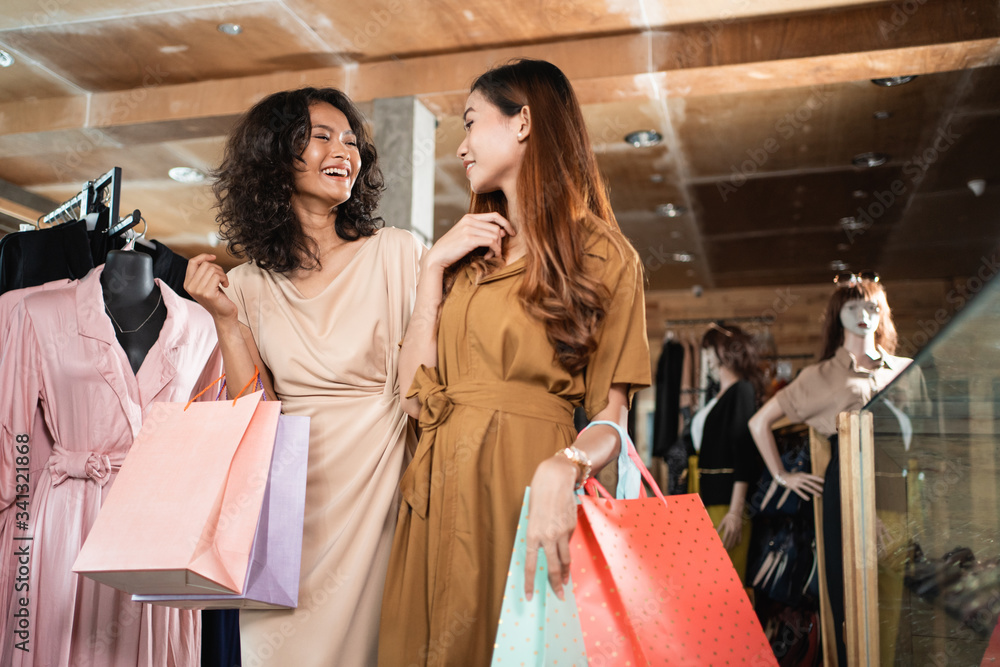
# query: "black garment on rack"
[666,419]
[70,251]
[168,266]
[28,259]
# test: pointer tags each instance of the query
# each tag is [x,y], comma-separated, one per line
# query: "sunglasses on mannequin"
[850,279]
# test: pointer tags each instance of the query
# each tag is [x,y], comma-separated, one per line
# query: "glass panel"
[936,442]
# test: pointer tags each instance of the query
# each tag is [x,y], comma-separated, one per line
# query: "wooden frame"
[857,483]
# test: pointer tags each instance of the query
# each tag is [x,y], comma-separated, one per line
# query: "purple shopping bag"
[272,580]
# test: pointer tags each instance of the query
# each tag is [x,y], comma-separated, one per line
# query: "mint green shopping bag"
[544,631]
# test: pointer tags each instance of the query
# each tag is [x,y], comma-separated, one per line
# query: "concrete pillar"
[405,138]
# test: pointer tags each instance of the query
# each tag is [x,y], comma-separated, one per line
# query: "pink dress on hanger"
[62,361]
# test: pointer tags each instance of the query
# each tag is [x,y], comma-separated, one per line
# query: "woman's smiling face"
[332,160]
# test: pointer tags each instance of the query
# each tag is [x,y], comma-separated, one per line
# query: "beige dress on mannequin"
[333,357]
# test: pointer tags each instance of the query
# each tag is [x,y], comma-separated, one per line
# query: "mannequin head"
[858,308]
[731,348]
[860,317]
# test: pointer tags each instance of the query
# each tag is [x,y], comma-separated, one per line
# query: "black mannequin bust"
[134,303]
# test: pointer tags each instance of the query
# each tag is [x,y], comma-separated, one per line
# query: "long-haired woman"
[530,305]
[319,309]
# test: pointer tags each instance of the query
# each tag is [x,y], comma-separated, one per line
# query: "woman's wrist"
[580,461]
[780,478]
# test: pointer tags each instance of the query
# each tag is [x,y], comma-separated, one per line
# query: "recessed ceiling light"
[851,224]
[859,194]
[869,159]
[187,175]
[683,257]
[882,115]
[6,60]
[838,265]
[890,81]
[230,28]
[643,138]
[656,178]
[670,210]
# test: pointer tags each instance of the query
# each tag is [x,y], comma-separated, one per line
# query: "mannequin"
[727,459]
[856,364]
[133,302]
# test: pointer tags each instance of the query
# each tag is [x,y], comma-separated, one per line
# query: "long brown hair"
[865,290]
[559,188]
[738,352]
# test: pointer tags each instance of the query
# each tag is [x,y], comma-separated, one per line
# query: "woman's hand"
[731,530]
[474,230]
[551,520]
[204,282]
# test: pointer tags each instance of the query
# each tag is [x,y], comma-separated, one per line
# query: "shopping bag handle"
[595,488]
[259,386]
[256,377]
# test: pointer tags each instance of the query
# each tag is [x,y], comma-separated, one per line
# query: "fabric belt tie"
[64,464]
[437,402]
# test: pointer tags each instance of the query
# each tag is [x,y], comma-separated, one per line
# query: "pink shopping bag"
[181,516]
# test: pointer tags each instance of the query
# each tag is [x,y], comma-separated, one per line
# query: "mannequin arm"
[804,484]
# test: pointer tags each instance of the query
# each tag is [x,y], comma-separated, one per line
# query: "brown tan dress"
[495,407]
[333,357]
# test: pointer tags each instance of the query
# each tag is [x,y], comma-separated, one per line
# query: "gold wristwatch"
[582,461]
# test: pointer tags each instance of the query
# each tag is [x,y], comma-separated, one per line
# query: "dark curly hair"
[256,181]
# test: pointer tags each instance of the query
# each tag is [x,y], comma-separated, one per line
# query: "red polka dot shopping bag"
[654,585]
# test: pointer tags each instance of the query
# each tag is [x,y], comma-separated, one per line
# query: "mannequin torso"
[133,301]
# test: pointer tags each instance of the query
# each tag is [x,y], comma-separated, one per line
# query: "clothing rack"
[101,194]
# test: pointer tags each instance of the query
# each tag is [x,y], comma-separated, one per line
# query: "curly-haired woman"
[320,309]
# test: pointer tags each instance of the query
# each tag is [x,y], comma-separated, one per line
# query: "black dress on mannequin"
[133,301]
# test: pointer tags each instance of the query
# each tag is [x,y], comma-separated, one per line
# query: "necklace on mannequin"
[159,300]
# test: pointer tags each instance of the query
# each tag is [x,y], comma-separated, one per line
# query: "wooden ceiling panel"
[204,154]
[640,179]
[138,163]
[950,224]
[801,202]
[405,27]
[983,92]
[185,46]
[791,258]
[965,148]
[21,13]
[730,136]
[24,80]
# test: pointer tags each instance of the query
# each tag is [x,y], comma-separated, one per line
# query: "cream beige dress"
[333,357]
